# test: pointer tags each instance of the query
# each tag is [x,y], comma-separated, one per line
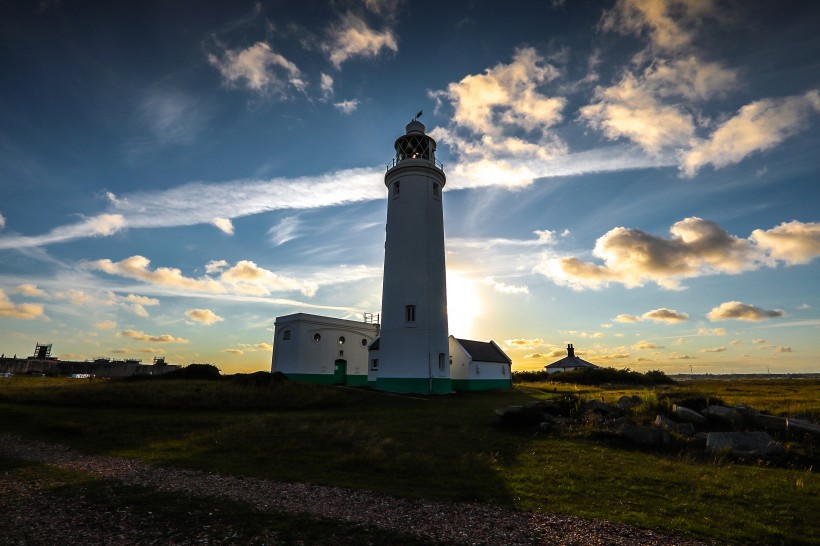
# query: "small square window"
[410,313]
[436,190]
[374,364]
[396,188]
[286,335]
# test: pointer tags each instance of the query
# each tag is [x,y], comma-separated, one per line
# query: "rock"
[647,436]
[599,407]
[687,415]
[744,444]
[699,439]
[518,416]
[771,422]
[722,413]
[685,429]
[626,402]
[800,425]
[746,409]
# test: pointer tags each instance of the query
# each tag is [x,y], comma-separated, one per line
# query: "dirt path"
[432,521]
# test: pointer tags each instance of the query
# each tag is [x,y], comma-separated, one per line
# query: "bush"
[598,376]
[207,372]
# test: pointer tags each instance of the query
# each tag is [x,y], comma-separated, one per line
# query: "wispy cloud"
[95,226]
[347,106]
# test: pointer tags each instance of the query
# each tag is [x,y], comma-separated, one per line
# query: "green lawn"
[442,447]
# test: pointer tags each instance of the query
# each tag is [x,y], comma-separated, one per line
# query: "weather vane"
[418,115]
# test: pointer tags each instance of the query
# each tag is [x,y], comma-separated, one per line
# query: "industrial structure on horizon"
[43,363]
[407,347]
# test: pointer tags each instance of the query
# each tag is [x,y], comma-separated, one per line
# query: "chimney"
[570,351]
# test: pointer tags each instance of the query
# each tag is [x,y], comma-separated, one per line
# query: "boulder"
[743,444]
[771,422]
[722,413]
[518,416]
[626,402]
[599,407]
[800,425]
[647,436]
[687,415]
[685,429]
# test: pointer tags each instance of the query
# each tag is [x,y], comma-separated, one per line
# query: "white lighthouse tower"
[413,352]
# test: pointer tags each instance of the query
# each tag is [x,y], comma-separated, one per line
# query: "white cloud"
[141,300]
[326,85]
[493,108]
[137,267]
[23,311]
[245,277]
[714,350]
[264,346]
[742,311]
[2,221]
[646,345]
[790,242]
[30,290]
[504,288]
[105,325]
[663,314]
[783,349]
[259,68]
[224,225]
[521,343]
[347,106]
[758,126]
[712,331]
[142,336]
[697,247]
[203,316]
[670,25]
[215,266]
[627,318]
[353,38]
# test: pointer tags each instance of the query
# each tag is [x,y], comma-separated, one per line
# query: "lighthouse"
[412,352]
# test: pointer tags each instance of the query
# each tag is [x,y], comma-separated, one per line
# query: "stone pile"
[741,431]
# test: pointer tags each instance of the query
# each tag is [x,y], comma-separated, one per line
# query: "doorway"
[340,372]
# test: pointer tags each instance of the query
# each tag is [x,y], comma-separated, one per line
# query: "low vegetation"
[440,448]
[596,376]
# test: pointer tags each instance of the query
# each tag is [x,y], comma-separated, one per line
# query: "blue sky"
[638,177]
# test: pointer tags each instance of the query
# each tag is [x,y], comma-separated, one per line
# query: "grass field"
[442,448]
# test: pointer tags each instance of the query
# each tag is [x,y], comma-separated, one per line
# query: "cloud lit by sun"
[463,304]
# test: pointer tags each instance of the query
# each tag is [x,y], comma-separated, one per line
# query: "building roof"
[484,351]
[570,361]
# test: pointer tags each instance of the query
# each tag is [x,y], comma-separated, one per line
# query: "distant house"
[569,363]
[478,365]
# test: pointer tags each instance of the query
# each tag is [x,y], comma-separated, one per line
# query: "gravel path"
[438,522]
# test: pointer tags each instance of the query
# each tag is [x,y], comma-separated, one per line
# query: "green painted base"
[327,378]
[420,385]
[463,385]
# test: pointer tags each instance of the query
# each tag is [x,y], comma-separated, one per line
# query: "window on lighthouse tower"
[396,188]
[410,313]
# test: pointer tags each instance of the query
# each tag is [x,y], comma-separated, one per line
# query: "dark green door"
[340,372]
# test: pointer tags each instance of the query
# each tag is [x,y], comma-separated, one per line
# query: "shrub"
[598,376]
[207,372]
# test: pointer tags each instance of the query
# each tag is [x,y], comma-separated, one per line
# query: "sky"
[637,177]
